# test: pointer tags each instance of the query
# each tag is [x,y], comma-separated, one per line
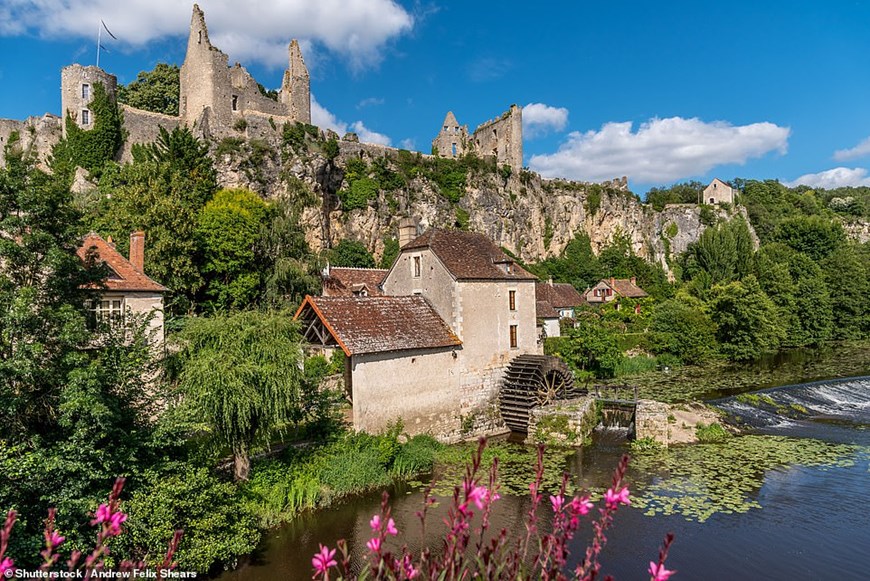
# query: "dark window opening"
[235,102]
[513,336]
[199,41]
[512,300]
[417,267]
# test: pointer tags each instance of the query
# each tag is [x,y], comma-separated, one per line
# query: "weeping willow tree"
[241,378]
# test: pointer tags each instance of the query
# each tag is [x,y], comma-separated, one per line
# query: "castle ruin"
[501,138]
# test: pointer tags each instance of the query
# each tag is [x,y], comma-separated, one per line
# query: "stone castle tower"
[77,91]
[213,94]
[501,138]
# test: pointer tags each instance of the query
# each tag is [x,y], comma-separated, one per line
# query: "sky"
[660,92]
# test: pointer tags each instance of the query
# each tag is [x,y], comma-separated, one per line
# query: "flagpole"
[99,38]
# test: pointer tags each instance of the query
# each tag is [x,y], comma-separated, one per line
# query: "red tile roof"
[559,295]
[625,287]
[343,282]
[379,324]
[122,275]
[469,256]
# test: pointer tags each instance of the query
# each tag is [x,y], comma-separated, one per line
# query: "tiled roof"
[544,310]
[380,324]
[559,295]
[343,282]
[626,288]
[469,256]
[122,275]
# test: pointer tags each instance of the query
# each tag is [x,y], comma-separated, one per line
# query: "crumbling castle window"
[86,117]
[453,149]
[199,41]
[86,91]
[514,343]
[235,102]
[512,299]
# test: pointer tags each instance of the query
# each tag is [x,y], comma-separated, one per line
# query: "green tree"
[229,227]
[724,252]
[815,236]
[292,271]
[162,193]
[847,277]
[682,328]
[391,251]
[684,193]
[156,90]
[588,348]
[241,379]
[746,319]
[351,253]
[577,264]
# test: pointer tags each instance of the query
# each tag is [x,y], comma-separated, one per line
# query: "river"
[787,501]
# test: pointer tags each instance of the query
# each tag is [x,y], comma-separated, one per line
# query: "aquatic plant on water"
[467,552]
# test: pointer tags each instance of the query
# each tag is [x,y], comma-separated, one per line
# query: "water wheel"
[533,381]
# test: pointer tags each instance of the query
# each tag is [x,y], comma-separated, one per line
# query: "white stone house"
[434,349]
[127,291]
[718,192]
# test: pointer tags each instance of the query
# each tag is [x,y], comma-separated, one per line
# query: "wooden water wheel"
[533,381]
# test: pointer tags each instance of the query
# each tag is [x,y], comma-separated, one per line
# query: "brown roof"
[344,282]
[625,287]
[123,276]
[379,324]
[469,256]
[559,294]
[544,310]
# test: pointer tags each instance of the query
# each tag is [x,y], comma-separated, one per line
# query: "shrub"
[707,434]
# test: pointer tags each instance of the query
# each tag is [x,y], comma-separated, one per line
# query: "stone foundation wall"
[563,423]
[651,421]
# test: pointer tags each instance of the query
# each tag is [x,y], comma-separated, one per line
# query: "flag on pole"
[107,30]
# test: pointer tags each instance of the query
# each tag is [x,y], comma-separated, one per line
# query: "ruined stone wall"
[502,138]
[77,91]
[37,137]
[452,140]
[143,127]
[296,86]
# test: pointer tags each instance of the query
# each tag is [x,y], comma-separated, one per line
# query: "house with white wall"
[434,349]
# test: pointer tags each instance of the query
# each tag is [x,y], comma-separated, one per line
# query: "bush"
[217,529]
[712,433]
[416,457]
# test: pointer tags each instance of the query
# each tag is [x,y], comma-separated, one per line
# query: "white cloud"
[325,119]
[408,144]
[859,150]
[539,119]
[254,30]
[370,102]
[662,150]
[839,177]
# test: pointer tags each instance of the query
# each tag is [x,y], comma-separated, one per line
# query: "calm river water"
[789,503]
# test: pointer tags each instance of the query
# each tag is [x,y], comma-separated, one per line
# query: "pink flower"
[104,513]
[613,499]
[374,544]
[115,523]
[324,559]
[375,523]
[391,528]
[408,567]
[658,571]
[557,502]
[478,495]
[581,506]
[6,564]
[55,539]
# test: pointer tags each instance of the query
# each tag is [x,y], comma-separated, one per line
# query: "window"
[712,200]
[235,102]
[417,268]
[86,91]
[513,336]
[199,38]
[512,299]
[107,311]
[86,117]
[453,149]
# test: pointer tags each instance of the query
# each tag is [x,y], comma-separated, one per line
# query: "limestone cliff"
[530,216]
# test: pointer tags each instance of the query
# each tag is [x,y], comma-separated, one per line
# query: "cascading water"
[845,401]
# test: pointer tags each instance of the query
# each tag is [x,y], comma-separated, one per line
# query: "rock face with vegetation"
[349,190]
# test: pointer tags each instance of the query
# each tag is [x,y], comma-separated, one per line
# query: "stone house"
[610,289]
[127,291]
[434,349]
[556,301]
[718,192]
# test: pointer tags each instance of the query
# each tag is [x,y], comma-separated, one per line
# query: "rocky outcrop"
[533,218]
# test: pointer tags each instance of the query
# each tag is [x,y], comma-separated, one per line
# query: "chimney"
[137,250]
[612,281]
[407,231]
[110,242]
[634,280]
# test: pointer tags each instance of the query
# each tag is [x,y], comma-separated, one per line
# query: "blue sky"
[657,91]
